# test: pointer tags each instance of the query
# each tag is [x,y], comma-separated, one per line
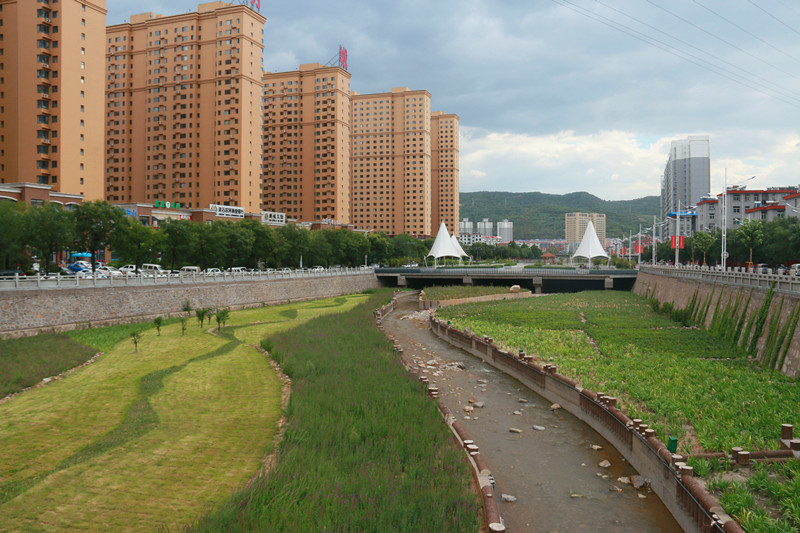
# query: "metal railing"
[510,272]
[59,281]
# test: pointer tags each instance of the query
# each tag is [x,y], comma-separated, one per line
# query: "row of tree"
[39,232]
[776,243]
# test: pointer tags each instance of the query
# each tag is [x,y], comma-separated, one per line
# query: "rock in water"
[509,498]
[605,463]
[515,430]
[514,289]
[538,428]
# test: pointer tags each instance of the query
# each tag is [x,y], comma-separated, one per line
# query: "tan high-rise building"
[444,171]
[307,143]
[575,226]
[183,108]
[51,94]
[391,162]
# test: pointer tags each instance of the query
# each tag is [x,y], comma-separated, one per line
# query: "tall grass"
[365,449]
[26,361]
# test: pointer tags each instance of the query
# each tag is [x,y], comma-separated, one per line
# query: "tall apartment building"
[444,171]
[391,162]
[505,230]
[307,143]
[687,175]
[575,226]
[486,228]
[183,108]
[51,94]
[465,226]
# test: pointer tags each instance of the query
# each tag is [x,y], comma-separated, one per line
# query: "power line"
[700,62]
[689,22]
[774,17]
[753,35]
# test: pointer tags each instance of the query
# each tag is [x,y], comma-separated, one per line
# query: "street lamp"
[725,218]
[678,230]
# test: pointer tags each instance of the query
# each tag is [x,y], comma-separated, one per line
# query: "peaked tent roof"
[443,246]
[590,246]
[457,246]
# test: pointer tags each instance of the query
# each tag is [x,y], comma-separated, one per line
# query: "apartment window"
[83,51]
[83,65]
[83,36]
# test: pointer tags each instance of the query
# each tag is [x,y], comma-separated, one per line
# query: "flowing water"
[553,472]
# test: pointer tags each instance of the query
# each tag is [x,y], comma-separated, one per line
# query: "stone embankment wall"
[764,323]
[27,312]
[691,505]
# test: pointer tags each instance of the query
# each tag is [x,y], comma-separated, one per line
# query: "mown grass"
[364,450]
[675,378]
[140,440]
[454,292]
[26,361]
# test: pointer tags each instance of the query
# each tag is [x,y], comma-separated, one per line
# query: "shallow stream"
[553,472]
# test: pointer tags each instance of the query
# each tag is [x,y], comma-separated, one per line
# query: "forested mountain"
[538,215]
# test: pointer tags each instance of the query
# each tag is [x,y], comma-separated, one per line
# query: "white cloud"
[615,164]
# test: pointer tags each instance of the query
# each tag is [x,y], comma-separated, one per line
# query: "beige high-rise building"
[391,162]
[444,171]
[51,94]
[307,143]
[575,226]
[183,108]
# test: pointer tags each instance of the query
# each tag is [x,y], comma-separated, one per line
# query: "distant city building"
[505,230]
[545,244]
[761,204]
[486,228]
[183,108]
[687,177]
[52,74]
[465,226]
[470,238]
[307,143]
[575,226]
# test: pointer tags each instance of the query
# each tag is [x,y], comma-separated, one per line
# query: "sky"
[559,96]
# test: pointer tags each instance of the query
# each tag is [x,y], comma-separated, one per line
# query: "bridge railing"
[16,282]
[731,276]
[510,272]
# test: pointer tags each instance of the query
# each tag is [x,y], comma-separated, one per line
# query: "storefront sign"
[228,211]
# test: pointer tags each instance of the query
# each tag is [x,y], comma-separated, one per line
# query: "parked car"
[794,270]
[12,272]
[128,270]
[237,270]
[761,268]
[286,270]
[152,269]
[318,269]
[212,271]
[190,270]
[109,271]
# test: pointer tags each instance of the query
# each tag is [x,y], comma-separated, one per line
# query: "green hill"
[538,215]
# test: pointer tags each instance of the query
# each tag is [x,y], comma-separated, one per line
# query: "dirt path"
[552,471]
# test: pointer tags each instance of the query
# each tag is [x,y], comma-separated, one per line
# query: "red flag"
[256,4]
[672,241]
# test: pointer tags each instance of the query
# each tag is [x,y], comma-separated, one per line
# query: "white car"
[318,269]
[128,270]
[212,271]
[109,271]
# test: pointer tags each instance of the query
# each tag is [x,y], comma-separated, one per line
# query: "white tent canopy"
[458,247]
[443,246]
[590,246]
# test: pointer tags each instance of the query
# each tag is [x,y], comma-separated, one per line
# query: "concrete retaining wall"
[31,311]
[636,443]
[681,291]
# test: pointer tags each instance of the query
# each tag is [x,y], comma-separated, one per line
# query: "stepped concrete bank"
[777,344]
[31,311]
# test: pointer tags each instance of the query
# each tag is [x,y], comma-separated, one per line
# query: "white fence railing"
[59,281]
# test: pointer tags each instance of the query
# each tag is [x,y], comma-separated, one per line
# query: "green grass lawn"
[140,440]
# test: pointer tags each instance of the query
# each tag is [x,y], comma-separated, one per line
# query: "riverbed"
[553,471]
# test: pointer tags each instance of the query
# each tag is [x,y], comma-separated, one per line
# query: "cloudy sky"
[567,95]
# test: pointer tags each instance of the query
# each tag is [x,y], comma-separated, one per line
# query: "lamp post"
[725,219]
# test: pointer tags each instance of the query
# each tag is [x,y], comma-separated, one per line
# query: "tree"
[180,240]
[158,322]
[263,250]
[48,229]
[12,236]
[136,243]
[94,224]
[750,234]
[183,325]
[703,241]
[136,336]
[378,247]
[221,317]
[201,315]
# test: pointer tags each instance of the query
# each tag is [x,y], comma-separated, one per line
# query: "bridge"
[537,280]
